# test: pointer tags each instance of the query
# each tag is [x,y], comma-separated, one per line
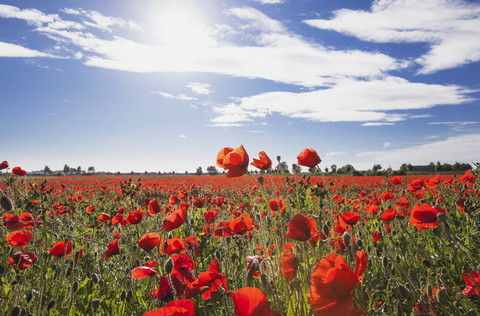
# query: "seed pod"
[347,238]
[326,229]
[168,265]
[404,291]
[6,203]
[129,295]
[75,287]
[95,303]
[442,297]
[429,290]
[398,258]
[384,262]
[218,255]
[123,296]
[29,297]
[51,304]
[442,217]
[16,311]
[359,243]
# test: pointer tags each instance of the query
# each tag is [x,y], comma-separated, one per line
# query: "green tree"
[91,169]
[66,169]
[47,170]
[212,170]
[199,171]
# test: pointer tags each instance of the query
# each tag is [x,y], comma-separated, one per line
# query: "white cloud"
[269,1]
[200,88]
[181,96]
[335,153]
[377,124]
[257,20]
[454,123]
[182,136]
[464,148]
[386,144]
[13,50]
[349,100]
[450,27]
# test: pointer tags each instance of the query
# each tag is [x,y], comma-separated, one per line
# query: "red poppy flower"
[182,267]
[149,241]
[103,217]
[425,216]
[22,260]
[264,163]
[175,308]
[416,185]
[467,177]
[210,216]
[164,291]
[90,209]
[198,203]
[396,180]
[173,245]
[19,238]
[233,160]
[288,262]
[154,207]
[135,217]
[173,200]
[61,249]
[143,272]
[112,249]
[350,217]
[78,255]
[253,262]
[212,279]
[471,286]
[17,171]
[276,205]
[223,230]
[302,228]
[241,224]
[174,220]
[250,301]
[308,158]
[332,285]
[4,165]
[388,215]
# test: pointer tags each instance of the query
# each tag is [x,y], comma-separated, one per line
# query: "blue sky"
[164,85]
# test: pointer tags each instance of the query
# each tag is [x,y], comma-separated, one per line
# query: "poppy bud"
[75,287]
[250,276]
[347,238]
[95,303]
[129,295]
[96,278]
[168,265]
[29,297]
[427,264]
[326,229]
[384,262]
[51,304]
[404,291]
[442,217]
[359,243]
[123,296]
[16,311]
[260,180]
[6,203]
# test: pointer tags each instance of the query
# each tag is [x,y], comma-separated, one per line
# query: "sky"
[163,85]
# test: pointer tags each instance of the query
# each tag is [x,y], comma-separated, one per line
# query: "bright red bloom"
[288,262]
[22,260]
[223,230]
[135,217]
[233,160]
[90,209]
[182,267]
[149,241]
[61,249]
[350,217]
[103,217]
[471,286]
[467,177]
[19,238]
[174,220]
[396,180]
[112,249]
[250,301]
[198,203]
[212,279]
[4,165]
[172,245]
[425,216]
[264,163]
[388,215]
[164,291]
[241,224]
[154,207]
[416,185]
[308,158]
[173,200]
[78,255]
[333,283]
[175,308]
[277,205]
[143,272]
[303,228]
[17,171]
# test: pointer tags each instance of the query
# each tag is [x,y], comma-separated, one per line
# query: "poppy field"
[240,244]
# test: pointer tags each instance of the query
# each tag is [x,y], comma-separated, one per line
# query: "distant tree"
[186,172]
[326,169]
[282,167]
[346,169]
[334,168]
[173,172]
[212,170]
[376,167]
[438,167]
[199,171]
[146,172]
[79,170]
[296,168]
[91,169]
[47,170]
[312,170]
[66,169]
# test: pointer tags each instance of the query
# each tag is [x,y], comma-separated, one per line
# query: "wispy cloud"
[13,50]
[182,136]
[181,96]
[465,148]
[349,100]
[335,153]
[200,88]
[454,123]
[269,1]
[386,144]
[450,27]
